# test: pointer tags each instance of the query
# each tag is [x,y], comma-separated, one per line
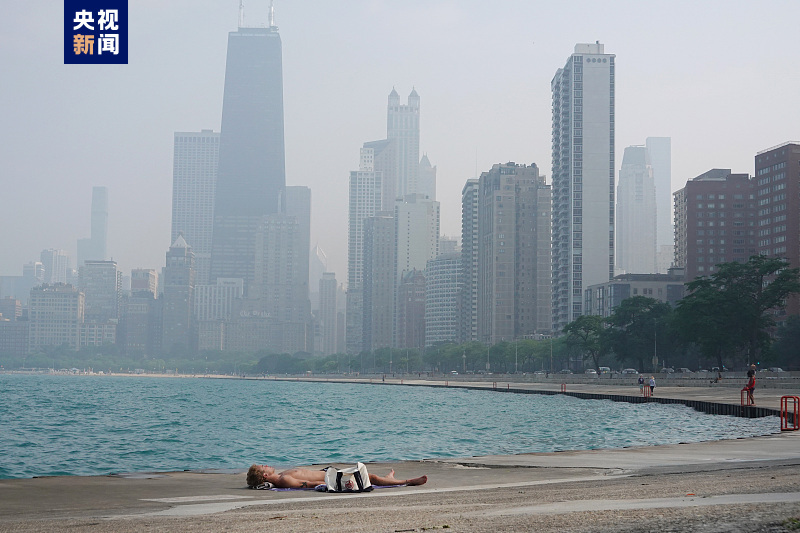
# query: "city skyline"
[122,119]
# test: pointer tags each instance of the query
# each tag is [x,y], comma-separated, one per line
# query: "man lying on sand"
[302,478]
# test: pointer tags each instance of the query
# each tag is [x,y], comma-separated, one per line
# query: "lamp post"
[464,359]
[516,355]
[487,357]
[655,345]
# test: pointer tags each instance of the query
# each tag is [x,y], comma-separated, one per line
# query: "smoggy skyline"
[717,78]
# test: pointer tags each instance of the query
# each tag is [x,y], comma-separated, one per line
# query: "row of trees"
[727,318]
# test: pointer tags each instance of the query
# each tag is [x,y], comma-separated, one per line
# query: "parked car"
[630,371]
[591,371]
[565,371]
[453,373]
[775,369]
[667,370]
[605,370]
[539,373]
[684,370]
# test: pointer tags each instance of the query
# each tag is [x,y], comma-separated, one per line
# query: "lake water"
[95,425]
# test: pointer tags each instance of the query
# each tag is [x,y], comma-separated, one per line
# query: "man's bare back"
[302,478]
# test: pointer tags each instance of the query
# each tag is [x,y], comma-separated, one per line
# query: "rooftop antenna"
[271,14]
[241,13]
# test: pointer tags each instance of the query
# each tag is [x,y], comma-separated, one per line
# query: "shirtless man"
[302,478]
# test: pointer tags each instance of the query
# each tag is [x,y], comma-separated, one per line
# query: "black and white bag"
[353,479]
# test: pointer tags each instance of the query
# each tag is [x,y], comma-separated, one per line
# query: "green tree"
[784,350]
[731,310]
[637,324]
[588,335]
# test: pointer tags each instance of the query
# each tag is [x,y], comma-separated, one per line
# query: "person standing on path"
[751,385]
[652,384]
[641,383]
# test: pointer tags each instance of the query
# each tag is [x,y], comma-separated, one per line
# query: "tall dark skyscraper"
[251,171]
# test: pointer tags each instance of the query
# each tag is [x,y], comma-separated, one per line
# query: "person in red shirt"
[751,385]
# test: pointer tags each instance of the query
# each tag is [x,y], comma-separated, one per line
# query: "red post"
[494,385]
[745,398]
[646,392]
[785,413]
[563,387]
[446,383]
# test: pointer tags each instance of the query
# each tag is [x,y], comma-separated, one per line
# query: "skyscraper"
[379,281]
[101,283]
[95,247]
[55,315]
[513,253]
[583,178]
[714,221]
[442,284]
[194,182]
[251,170]
[416,220]
[778,217]
[178,298]
[402,129]
[366,193]
[426,184]
[659,151]
[55,264]
[327,312]
[636,213]
[468,299]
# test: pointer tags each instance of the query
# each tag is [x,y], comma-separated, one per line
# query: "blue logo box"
[95,32]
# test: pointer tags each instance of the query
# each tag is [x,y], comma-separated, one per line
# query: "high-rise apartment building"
[139,332]
[101,284]
[714,222]
[251,172]
[216,302]
[365,200]
[659,152]
[297,204]
[95,247]
[468,299]
[379,283]
[55,316]
[416,220]
[513,254]
[178,298]
[583,178]
[636,214]
[442,291]
[195,158]
[144,280]
[55,264]
[777,190]
[410,319]
[327,313]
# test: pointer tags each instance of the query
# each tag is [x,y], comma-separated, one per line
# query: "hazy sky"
[719,77]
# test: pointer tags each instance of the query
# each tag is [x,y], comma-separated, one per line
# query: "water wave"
[93,425]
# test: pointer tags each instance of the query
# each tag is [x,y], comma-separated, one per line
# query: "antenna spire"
[241,13]
[271,14]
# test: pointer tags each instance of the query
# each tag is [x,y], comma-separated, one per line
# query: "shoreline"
[733,484]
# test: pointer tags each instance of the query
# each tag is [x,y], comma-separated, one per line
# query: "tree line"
[727,319]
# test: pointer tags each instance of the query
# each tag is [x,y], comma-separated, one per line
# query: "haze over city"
[717,78]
